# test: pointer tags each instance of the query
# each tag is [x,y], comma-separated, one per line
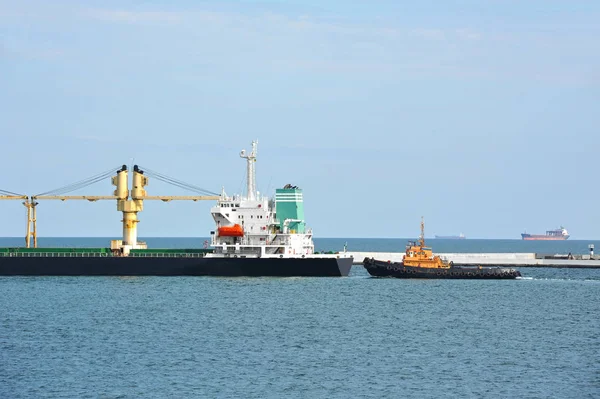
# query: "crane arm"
[167,198]
[13,197]
[90,198]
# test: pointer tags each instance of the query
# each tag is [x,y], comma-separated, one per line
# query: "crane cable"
[6,192]
[176,182]
[80,184]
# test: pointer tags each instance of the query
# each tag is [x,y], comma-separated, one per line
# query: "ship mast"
[251,159]
[422,236]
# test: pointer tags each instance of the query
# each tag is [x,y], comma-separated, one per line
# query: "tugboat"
[419,262]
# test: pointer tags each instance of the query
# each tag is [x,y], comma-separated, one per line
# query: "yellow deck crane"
[130,202]
[9,195]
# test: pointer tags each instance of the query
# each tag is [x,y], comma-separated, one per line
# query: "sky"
[481,116]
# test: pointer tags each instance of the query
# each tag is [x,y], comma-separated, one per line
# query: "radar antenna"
[251,158]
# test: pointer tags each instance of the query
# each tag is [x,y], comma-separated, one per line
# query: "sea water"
[354,337]
[337,244]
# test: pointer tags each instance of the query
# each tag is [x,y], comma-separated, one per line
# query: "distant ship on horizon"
[556,234]
[461,236]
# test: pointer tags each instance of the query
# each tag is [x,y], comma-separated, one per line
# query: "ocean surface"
[353,337]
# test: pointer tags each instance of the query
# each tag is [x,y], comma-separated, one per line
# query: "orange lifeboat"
[231,231]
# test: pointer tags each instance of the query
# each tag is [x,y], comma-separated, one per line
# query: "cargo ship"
[254,235]
[420,262]
[461,236]
[556,234]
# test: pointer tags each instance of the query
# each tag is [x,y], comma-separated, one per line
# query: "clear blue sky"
[483,116]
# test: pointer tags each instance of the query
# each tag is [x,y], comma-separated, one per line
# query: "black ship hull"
[377,268]
[174,266]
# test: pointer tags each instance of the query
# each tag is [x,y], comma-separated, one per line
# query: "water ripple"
[306,337]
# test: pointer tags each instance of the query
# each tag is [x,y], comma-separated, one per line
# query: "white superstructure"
[249,226]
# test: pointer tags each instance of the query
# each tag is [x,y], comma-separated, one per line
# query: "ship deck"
[102,252]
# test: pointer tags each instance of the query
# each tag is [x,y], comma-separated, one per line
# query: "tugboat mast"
[422,236]
[251,159]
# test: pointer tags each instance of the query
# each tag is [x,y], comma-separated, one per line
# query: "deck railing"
[98,255]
